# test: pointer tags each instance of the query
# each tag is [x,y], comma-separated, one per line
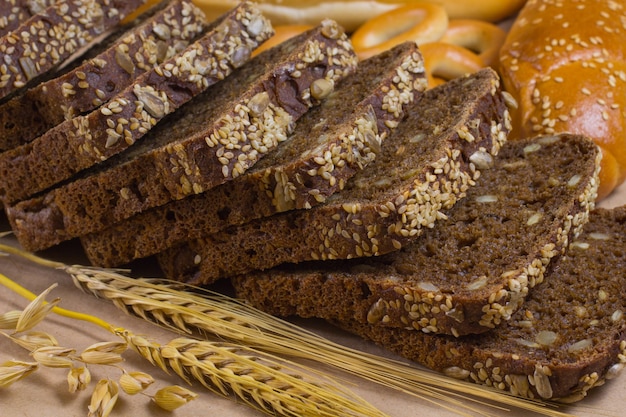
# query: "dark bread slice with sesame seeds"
[213,139]
[149,40]
[52,35]
[424,167]
[330,143]
[569,337]
[14,12]
[85,141]
[473,269]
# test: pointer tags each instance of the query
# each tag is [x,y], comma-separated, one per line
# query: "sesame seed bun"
[563,61]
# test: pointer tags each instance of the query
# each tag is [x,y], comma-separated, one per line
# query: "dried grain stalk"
[262,381]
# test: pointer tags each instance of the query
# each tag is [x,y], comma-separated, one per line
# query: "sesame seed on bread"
[330,143]
[52,35]
[85,141]
[426,165]
[14,12]
[569,337]
[564,61]
[106,69]
[471,271]
[213,139]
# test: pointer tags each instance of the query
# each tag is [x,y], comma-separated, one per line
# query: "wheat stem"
[262,381]
[30,296]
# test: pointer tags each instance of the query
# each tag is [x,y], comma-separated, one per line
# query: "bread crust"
[57,38]
[421,171]
[151,39]
[85,141]
[14,12]
[474,269]
[328,146]
[569,338]
[211,141]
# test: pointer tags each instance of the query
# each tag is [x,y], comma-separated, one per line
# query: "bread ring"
[281,34]
[483,38]
[445,61]
[353,13]
[419,22]
[486,10]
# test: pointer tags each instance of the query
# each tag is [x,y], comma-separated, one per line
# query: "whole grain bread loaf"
[569,337]
[472,270]
[52,35]
[213,139]
[330,143]
[85,141]
[148,41]
[424,167]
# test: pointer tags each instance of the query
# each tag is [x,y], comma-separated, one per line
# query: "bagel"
[353,13]
[483,38]
[420,22]
[445,61]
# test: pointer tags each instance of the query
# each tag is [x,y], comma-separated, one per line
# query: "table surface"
[44,393]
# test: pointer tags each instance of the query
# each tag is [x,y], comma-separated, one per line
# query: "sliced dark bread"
[85,141]
[215,138]
[14,12]
[424,167]
[569,337]
[151,39]
[473,269]
[52,35]
[330,143]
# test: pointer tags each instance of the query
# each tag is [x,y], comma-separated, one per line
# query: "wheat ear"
[262,381]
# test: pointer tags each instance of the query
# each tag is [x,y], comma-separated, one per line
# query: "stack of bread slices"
[320,186]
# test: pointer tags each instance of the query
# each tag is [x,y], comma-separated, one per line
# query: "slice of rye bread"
[329,144]
[425,166]
[152,38]
[14,12]
[569,337]
[52,35]
[213,139]
[473,269]
[87,140]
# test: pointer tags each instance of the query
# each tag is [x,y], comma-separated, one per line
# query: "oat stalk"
[260,380]
[179,307]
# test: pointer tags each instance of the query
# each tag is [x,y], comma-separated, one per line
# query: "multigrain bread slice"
[152,38]
[87,140]
[472,270]
[330,143]
[52,35]
[424,167]
[569,337]
[14,12]
[213,139]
